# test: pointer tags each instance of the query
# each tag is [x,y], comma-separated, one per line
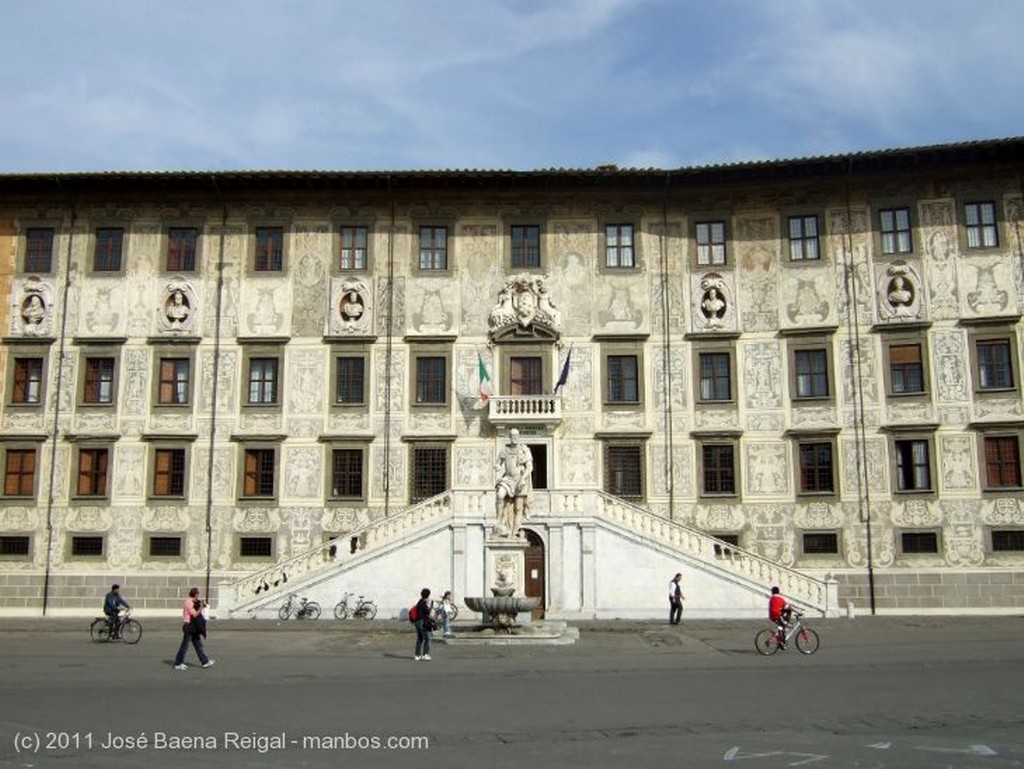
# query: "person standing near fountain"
[515,482]
[423,625]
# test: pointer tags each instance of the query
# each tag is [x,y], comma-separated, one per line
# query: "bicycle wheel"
[767,642]
[341,610]
[131,631]
[806,641]
[368,610]
[99,630]
[453,612]
[312,610]
[285,611]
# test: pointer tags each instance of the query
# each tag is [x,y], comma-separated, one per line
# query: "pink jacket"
[188,610]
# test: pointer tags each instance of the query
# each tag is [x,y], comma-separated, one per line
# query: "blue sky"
[510,84]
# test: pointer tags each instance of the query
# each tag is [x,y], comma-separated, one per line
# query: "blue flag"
[564,376]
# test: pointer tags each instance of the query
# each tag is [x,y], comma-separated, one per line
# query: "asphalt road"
[881,692]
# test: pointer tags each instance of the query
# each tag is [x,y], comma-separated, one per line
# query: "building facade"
[803,371]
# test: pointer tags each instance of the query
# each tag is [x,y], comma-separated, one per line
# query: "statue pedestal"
[506,566]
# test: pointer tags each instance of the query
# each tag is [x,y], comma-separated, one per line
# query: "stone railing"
[803,589]
[322,557]
[525,409]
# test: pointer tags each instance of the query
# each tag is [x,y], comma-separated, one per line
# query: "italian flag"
[486,391]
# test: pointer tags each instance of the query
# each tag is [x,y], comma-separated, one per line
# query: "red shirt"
[775,606]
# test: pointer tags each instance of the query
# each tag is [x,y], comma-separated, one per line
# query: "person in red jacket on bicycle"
[779,611]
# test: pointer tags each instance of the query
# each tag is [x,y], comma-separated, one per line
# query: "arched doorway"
[534,566]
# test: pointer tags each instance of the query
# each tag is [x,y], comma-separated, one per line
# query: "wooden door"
[534,565]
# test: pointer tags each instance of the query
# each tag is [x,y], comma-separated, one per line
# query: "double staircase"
[744,569]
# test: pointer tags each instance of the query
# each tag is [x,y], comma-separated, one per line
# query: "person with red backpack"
[420,616]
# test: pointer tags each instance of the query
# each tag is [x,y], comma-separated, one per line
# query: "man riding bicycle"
[112,604]
[779,612]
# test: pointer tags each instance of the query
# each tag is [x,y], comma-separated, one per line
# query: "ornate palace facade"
[804,371]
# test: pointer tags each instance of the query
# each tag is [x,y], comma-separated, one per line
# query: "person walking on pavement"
[675,600]
[423,625]
[193,629]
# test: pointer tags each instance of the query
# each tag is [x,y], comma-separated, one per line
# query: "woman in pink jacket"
[193,629]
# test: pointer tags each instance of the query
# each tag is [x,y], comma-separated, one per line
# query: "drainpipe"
[56,409]
[860,441]
[216,378]
[666,352]
[388,355]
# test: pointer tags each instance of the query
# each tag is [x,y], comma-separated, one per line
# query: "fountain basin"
[502,609]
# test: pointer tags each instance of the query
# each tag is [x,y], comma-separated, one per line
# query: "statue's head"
[513,435]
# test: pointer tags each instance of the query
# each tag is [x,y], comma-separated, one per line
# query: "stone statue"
[515,482]
[177,309]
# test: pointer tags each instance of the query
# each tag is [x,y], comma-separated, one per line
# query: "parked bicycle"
[769,641]
[360,608]
[300,608]
[120,628]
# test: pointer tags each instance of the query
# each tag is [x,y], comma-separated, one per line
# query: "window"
[715,371]
[894,228]
[20,472]
[817,475]
[14,545]
[164,547]
[1002,462]
[980,225]
[525,246]
[28,381]
[623,379]
[618,246]
[93,465]
[174,382]
[256,547]
[1007,540]
[181,249]
[913,464]
[623,470]
[109,244]
[260,472]
[269,256]
[710,238]
[803,238]
[820,543]
[352,252]
[429,472]
[918,542]
[86,546]
[347,473]
[525,375]
[810,368]
[99,381]
[350,380]
[994,364]
[718,469]
[906,368]
[262,381]
[431,380]
[169,467]
[39,249]
[433,248]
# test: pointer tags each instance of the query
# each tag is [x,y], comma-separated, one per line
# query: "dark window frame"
[21,477]
[624,465]
[620,246]
[524,246]
[981,224]
[433,247]
[269,249]
[170,472]
[804,245]
[182,253]
[719,471]
[353,247]
[28,376]
[259,476]
[816,466]
[711,242]
[429,470]
[39,243]
[92,472]
[108,249]
[895,231]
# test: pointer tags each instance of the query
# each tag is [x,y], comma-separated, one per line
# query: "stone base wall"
[22,593]
[945,591]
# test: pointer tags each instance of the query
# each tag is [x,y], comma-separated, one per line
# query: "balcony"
[525,410]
